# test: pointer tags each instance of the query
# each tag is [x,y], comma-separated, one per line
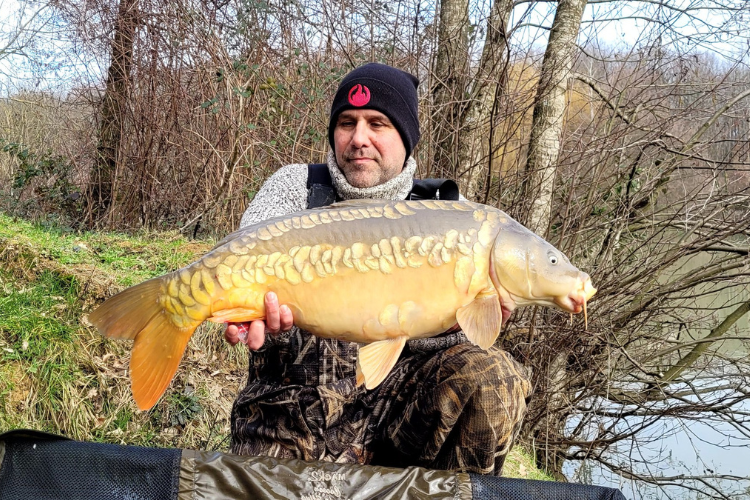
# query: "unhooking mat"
[40,466]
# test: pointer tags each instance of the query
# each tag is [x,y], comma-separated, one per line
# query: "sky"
[623,25]
[606,25]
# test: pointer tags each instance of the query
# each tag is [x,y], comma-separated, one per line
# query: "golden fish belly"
[371,306]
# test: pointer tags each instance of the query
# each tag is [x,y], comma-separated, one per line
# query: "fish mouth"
[572,303]
[576,300]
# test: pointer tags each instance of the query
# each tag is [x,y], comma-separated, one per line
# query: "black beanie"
[389,90]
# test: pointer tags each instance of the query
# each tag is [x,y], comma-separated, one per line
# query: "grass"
[57,374]
[520,464]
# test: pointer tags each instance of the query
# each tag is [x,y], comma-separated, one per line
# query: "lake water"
[676,448]
[687,447]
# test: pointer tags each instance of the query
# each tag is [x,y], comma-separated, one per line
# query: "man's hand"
[278,319]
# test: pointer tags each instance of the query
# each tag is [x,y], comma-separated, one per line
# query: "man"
[447,404]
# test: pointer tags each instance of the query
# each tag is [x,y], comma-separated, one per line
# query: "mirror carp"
[374,272]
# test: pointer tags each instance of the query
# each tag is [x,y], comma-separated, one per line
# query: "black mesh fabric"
[39,466]
[490,487]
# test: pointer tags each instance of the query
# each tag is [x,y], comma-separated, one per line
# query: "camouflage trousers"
[454,408]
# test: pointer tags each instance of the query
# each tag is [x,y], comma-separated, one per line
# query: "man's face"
[368,148]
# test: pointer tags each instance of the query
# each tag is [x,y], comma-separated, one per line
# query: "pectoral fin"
[377,359]
[236,315]
[482,318]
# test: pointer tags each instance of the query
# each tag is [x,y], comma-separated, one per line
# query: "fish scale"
[307,258]
[373,272]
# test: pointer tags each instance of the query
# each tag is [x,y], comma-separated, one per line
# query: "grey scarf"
[395,189]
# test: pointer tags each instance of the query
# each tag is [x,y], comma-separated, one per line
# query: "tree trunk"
[549,112]
[474,148]
[113,110]
[544,148]
[449,84]
[550,457]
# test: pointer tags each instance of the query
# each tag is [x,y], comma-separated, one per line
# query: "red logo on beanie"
[359,95]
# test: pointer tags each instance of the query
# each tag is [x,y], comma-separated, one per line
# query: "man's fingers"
[273,318]
[287,321]
[231,334]
[256,335]
[236,332]
[278,319]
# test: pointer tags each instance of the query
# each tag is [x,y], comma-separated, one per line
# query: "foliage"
[522,464]
[652,200]
[43,180]
[58,375]
[43,149]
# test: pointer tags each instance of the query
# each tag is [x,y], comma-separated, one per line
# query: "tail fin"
[136,313]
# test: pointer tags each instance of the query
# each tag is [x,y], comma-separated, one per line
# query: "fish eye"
[552,258]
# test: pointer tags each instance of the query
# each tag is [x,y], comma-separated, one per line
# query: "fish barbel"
[374,272]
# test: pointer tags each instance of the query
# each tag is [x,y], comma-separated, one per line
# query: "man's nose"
[361,136]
